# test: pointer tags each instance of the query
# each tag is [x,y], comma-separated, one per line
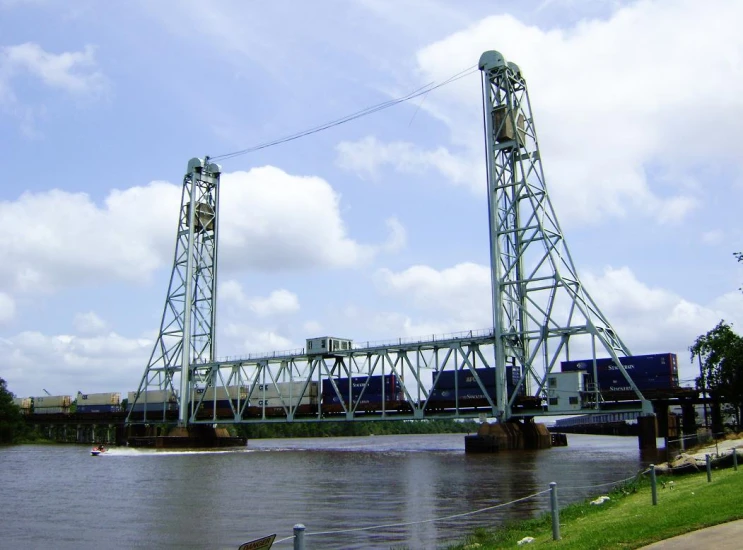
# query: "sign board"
[258,544]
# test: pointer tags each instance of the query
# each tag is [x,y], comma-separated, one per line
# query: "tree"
[12,425]
[721,354]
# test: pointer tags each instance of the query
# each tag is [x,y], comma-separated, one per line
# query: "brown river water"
[62,497]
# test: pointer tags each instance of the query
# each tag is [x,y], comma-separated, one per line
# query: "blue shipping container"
[153,407]
[648,372]
[465,378]
[656,364]
[392,387]
[449,394]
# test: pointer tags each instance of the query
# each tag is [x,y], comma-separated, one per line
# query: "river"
[59,496]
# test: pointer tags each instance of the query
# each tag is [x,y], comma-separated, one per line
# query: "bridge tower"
[540,307]
[187,329]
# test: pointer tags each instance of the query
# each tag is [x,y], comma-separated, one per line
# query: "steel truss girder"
[418,366]
[539,303]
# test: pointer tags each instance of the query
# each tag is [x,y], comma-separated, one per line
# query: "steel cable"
[348,118]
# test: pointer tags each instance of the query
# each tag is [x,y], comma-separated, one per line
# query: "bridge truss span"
[443,378]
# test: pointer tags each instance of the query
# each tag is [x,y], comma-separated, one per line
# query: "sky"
[372,230]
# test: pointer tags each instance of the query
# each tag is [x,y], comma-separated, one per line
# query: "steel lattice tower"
[188,325]
[539,303]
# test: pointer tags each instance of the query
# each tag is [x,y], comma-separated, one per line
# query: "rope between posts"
[563,488]
[453,516]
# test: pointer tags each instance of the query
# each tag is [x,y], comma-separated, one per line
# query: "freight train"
[333,396]
[361,394]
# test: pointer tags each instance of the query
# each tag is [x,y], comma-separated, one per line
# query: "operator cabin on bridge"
[327,344]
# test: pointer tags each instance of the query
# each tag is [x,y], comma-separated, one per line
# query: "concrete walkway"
[726,536]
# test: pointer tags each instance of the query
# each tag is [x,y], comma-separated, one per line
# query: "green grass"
[628,520]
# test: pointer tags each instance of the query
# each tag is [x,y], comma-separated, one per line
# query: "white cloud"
[613,99]
[269,220]
[461,293]
[713,237]
[89,323]
[58,238]
[251,339]
[279,302]
[311,328]
[284,221]
[7,308]
[367,155]
[64,364]
[398,237]
[72,72]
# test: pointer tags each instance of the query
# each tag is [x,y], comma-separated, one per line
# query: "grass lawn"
[629,520]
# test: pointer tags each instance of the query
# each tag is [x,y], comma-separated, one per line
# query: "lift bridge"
[541,312]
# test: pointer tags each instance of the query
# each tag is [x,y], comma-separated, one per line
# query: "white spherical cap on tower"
[491,60]
[515,68]
[195,163]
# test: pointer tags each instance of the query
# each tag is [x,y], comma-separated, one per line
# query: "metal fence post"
[653,485]
[299,536]
[555,512]
[735,459]
[709,469]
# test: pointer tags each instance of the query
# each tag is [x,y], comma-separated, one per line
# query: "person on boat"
[101,448]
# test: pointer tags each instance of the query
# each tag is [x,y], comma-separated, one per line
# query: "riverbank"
[721,453]
[628,519]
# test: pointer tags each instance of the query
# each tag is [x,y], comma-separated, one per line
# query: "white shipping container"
[278,402]
[23,402]
[152,396]
[285,389]
[222,393]
[52,401]
[112,398]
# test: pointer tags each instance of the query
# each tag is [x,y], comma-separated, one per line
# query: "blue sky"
[376,229]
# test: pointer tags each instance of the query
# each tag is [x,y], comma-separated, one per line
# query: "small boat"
[96,451]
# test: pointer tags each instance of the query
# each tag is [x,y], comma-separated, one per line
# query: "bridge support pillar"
[647,432]
[689,423]
[661,418]
[717,425]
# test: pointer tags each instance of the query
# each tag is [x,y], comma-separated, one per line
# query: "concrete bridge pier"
[647,432]
[689,425]
[717,425]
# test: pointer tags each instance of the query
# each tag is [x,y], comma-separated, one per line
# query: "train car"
[52,404]
[648,372]
[465,379]
[23,403]
[464,398]
[220,401]
[291,389]
[98,402]
[152,401]
[280,398]
[461,389]
[327,345]
[280,406]
[368,394]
